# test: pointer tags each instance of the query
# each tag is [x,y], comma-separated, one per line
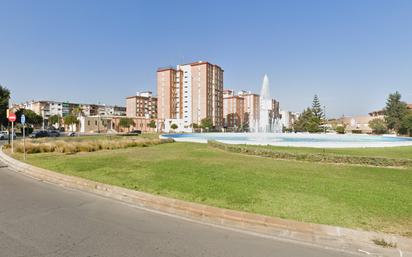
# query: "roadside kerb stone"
[324,235]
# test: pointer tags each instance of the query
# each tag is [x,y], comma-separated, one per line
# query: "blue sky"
[351,53]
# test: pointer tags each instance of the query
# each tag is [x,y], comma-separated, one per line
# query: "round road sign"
[12,117]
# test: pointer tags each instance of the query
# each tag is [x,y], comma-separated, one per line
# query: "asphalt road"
[39,219]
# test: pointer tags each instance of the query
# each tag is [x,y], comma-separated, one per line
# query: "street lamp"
[8,122]
[324,113]
[42,111]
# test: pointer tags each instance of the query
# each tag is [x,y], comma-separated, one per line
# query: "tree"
[4,105]
[126,123]
[77,111]
[194,125]
[70,120]
[206,123]
[307,122]
[152,124]
[55,119]
[301,123]
[395,111]
[32,118]
[406,126]
[317,109]
[378,126]
[174,126]
[311,118]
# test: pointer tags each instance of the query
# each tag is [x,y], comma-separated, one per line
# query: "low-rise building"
[46,109]
[95,124]
[110,124]
[355,124]
[139,123]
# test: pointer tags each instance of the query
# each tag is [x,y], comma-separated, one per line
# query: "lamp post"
[42,112]
[324,113]
[8,112]
[98,123]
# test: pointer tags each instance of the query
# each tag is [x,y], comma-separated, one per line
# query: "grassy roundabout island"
[356,196]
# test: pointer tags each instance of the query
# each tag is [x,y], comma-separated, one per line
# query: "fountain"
[267,122]
[267,131]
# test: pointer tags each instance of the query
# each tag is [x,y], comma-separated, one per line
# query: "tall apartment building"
[189,93]
[233,110]
[251,106]
[275,109]
[243,109]
[143,104]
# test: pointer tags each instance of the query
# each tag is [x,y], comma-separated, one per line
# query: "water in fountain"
[267,122]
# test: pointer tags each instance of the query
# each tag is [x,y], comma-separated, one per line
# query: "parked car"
[40,133]
[135,132]
[4,135]
[54,133]
[71,134]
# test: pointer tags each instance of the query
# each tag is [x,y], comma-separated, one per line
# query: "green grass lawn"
[351,196]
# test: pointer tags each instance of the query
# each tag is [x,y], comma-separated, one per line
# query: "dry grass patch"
[91,145]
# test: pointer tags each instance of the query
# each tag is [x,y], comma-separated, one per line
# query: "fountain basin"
[295,140]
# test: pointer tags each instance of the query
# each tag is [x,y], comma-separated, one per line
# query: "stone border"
[194,139]
[344,239]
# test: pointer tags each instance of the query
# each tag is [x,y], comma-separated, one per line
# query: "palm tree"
[77,111]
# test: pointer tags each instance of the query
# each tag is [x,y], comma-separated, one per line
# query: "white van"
[4,135]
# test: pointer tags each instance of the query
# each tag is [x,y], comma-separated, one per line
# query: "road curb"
[344,239]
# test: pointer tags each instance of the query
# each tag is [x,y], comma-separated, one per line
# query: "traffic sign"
[22,119]
[12,117]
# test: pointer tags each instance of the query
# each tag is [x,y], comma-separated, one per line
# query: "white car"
[4,135]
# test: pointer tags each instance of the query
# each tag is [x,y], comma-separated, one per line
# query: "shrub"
[340,129]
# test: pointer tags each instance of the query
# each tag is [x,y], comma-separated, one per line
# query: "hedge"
[312,157]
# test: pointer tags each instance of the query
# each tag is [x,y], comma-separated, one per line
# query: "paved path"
[39,219]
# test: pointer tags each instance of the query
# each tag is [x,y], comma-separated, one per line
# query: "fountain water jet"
[267,122]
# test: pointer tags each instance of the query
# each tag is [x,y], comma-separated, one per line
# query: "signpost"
[23,122]
[8,127]
[12,119]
